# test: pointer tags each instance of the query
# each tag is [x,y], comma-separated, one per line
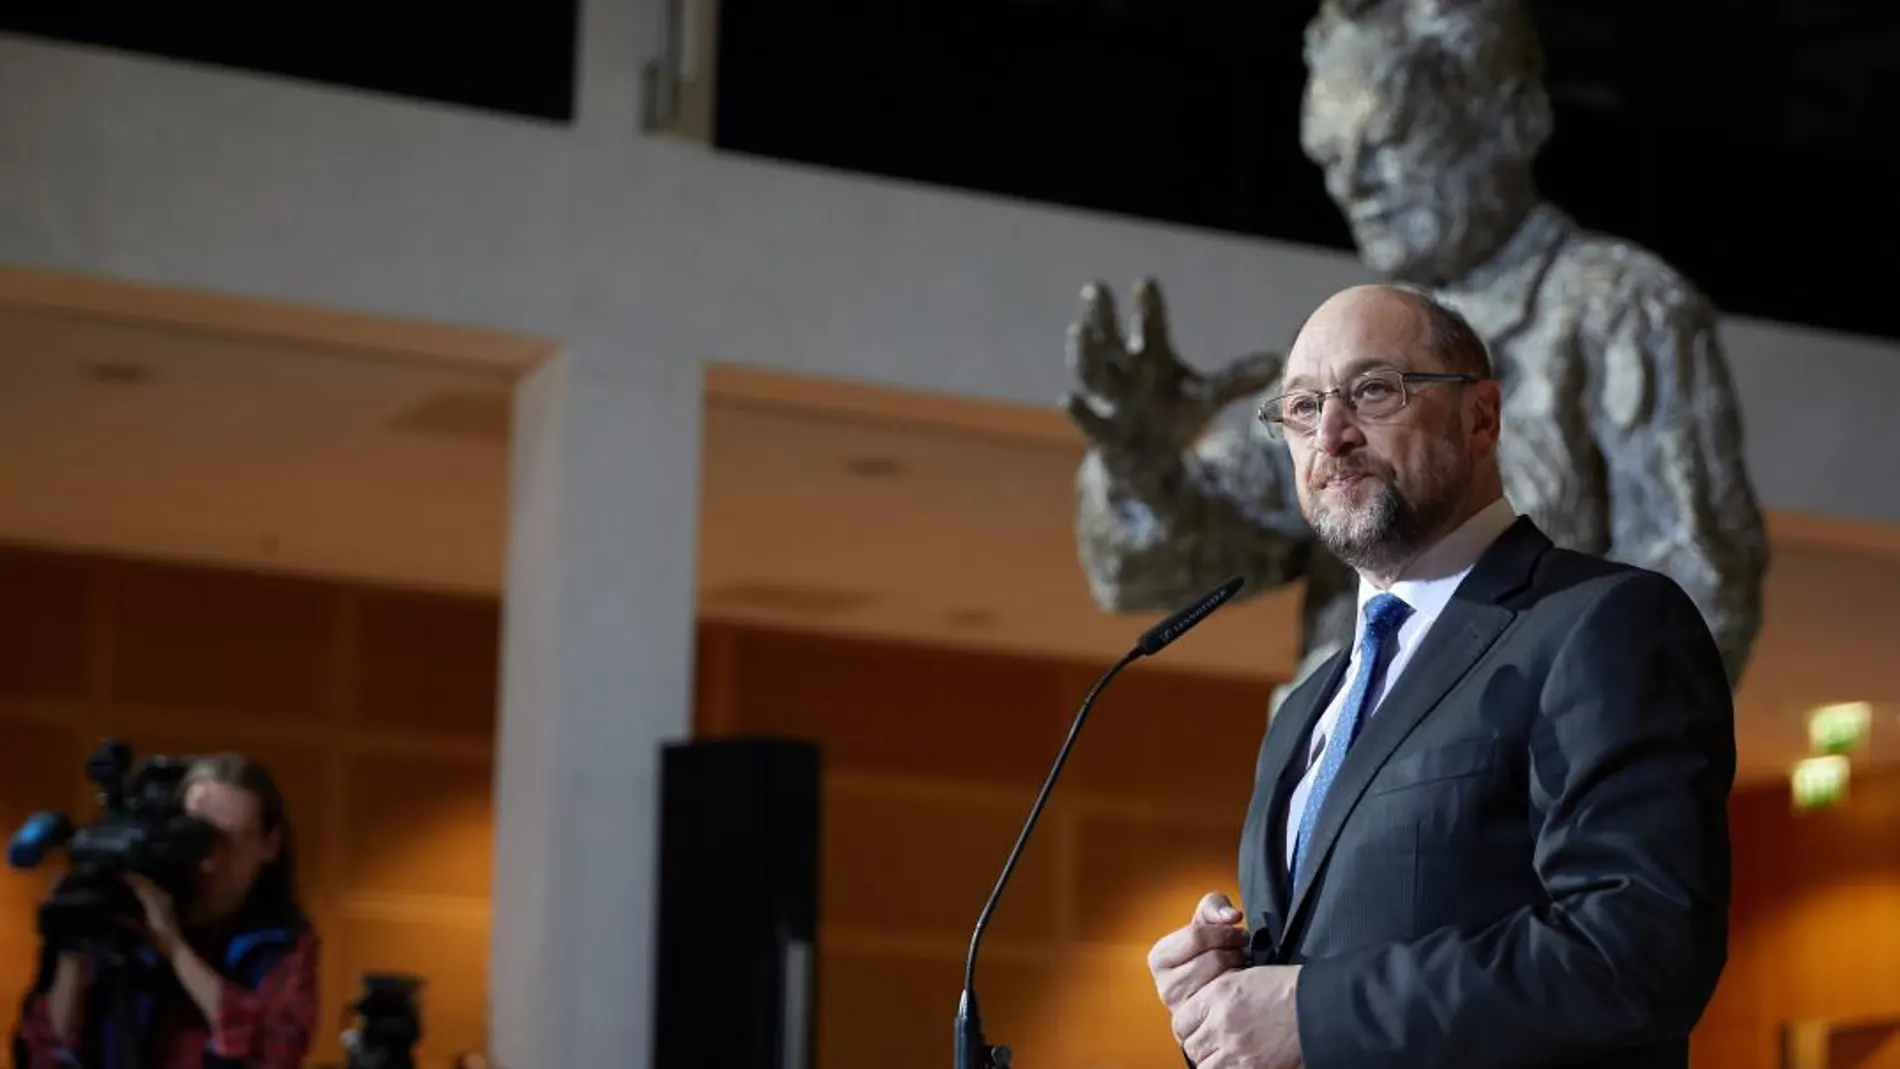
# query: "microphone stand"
[973,1049]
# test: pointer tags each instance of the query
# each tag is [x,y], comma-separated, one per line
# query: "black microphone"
[973,1051]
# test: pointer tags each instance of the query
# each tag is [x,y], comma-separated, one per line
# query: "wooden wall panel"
[885,1009]
[900,710]
[1140,876]
[1167,738]
[418,826]
[44,617]
[40,768]
[936,857]
[218,643]
[1105,1013]
[427,663]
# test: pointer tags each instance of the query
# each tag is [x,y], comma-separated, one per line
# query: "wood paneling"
[418,826]
[1105,1012]
[900,710]
[936,856]
[886,1008]
[427,663]
[1144,873]
[1168,739]
[1815,930]
[377,708]
[221,643]
[43,622]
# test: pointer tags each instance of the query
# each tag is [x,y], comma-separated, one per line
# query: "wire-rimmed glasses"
[1373,395]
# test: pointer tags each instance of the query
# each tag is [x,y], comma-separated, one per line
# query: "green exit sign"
[1820,782]
[1840,728]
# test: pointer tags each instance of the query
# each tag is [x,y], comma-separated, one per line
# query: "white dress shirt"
[1426,586]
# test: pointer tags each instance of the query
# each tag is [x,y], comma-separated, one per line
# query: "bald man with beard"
[1492,831]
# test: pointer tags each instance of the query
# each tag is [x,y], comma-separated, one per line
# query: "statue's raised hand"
[1137,399]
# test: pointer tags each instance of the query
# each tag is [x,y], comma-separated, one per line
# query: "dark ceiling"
[510,56]
[1745,140]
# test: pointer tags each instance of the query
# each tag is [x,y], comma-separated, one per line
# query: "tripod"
[365,1055]
[388,1023]
[113,1040]
[382,1042]
[114,977]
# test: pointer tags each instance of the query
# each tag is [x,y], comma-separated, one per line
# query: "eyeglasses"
[1374,395]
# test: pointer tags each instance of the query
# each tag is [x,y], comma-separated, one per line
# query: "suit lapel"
[1470,623]
[1263,847]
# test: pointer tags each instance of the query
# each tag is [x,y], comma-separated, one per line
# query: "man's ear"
[1487,409]
[274,843]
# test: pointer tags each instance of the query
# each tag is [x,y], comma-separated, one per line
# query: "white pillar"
[597,633]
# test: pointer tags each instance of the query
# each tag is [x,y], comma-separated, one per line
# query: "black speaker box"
[736,980]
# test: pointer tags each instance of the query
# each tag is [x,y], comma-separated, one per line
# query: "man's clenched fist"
[1189,958]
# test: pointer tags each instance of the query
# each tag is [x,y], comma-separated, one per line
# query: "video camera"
[142,828]
[388,1022]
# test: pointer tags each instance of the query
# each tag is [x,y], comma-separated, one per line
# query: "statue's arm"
[1669,430]
[1155,532]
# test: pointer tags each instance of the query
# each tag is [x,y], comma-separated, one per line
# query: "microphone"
[973,1051]
[42,832]
[1163,634]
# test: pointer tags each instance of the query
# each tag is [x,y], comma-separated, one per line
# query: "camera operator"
[228,983]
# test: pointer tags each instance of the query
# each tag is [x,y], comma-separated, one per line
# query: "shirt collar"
[1432,579]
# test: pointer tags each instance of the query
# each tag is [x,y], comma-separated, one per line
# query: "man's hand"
[1243,1020]
[1188,959]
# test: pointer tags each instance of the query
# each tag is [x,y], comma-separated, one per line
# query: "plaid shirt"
[266,1028]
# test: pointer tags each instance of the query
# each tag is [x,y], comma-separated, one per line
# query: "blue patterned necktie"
[1384,614]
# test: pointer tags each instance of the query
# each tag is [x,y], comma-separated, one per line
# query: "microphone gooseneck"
[972,1050]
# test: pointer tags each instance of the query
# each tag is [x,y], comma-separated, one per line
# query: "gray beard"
[1382,538]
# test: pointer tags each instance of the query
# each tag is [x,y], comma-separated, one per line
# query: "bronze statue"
[1621,434]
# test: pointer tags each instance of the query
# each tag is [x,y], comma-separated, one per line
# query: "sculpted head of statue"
[1426,116]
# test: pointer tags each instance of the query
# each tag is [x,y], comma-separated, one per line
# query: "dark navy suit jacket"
[1524,860]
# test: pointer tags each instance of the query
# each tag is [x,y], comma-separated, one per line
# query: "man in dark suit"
[1494,832]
